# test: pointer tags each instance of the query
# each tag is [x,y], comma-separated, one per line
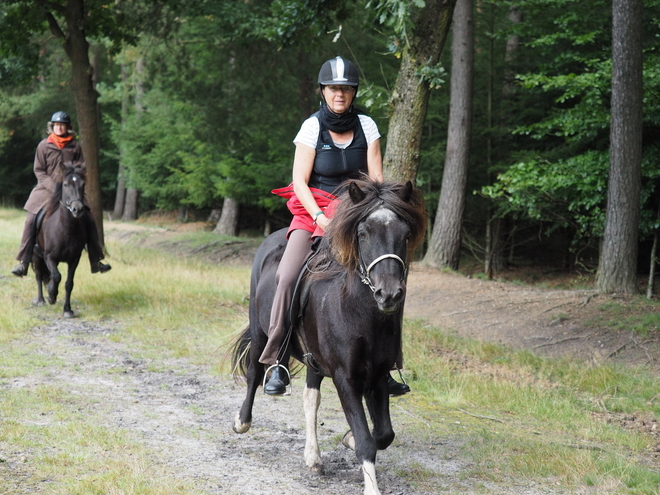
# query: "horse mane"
[341,241]
[68,169]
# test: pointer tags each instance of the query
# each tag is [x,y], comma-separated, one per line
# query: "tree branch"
[54,26]
[48,5]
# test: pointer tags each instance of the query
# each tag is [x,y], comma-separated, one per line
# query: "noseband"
[364,273]
[68,204]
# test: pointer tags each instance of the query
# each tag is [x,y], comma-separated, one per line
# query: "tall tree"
[423,32]
[618,263]
[445,244]
[120,196]
[74,22]
[67,22]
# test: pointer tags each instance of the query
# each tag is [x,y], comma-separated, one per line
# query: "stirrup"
[401,376]
[288,387]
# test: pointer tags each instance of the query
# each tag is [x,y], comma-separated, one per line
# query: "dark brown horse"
[61,237]
[349,327]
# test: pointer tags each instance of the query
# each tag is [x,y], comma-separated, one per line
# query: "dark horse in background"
[349,325]
[61,237]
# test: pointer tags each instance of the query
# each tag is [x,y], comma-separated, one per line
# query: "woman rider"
[335,144]
[52,153]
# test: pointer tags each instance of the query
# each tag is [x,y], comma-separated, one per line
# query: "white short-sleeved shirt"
[309,131]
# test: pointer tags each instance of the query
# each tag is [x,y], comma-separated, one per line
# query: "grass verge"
[557,422]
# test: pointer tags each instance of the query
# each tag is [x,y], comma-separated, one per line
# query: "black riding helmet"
[339,71]
[62,117]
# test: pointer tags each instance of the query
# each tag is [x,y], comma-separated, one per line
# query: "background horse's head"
[374,231]
[70,192]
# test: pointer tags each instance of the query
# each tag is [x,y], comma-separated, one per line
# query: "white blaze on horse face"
[370,484]
[384,216]
[311,402]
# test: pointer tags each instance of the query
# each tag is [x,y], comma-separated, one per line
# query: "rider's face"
[338,98]
[60,128]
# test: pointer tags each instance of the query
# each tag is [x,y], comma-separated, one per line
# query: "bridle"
[68,204]
[364,272]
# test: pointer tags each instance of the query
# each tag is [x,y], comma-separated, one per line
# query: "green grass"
[546,419]
[517,416]
[65,448]
[637,314]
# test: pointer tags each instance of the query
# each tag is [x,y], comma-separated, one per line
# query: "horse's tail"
[240,353]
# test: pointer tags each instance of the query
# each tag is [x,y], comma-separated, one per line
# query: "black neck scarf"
[338,122]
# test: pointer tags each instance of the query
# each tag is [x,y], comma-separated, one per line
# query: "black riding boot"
[21,269]
[395,387]
[278,381]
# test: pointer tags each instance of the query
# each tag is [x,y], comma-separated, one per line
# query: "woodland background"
[192,107]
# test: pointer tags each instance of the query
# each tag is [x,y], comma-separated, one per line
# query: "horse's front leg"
[68,287]
[350,395]
[378,403]
[55,279]
[39,267]
[311,402]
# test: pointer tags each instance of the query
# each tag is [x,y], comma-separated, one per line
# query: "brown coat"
[48,166]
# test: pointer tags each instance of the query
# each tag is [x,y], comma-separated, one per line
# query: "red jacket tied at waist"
[301,218]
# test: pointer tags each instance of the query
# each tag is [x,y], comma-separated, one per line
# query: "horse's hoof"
[39,302]
[240,427]
[349,440]
[317,470]
[68,314]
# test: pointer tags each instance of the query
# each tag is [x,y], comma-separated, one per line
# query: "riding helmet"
[61,117]
[339,71]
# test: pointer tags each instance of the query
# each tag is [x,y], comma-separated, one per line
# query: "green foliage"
[433,76]
[396,14]
[561,176]
[302,21]
[569,192]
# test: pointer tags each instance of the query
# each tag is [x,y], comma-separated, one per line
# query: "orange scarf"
[60,141]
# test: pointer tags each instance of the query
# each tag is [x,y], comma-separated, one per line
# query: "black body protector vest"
[334,165]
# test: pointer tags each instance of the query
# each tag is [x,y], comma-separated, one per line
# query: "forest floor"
[182,413]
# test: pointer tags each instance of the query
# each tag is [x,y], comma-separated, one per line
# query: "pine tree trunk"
[228,223]
[132,194]
[120,195]
[410,95]
[445,245]
[85,96]
[131,205]
[617,271]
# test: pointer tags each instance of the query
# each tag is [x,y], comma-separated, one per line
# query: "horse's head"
[73,189]
[376,228]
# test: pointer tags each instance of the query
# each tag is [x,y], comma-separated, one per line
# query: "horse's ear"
[356,193]
[80,168]
[406,191]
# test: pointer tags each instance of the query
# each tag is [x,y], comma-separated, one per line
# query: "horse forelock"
[342,231]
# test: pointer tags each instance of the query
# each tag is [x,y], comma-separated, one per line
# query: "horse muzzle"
[76,208]
[390,300]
